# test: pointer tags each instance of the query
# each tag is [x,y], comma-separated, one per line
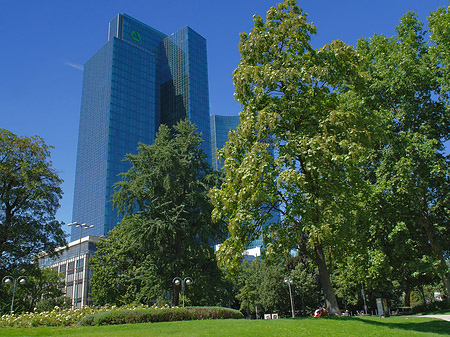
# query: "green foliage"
[248,285]
[41,292]
[44,291]
[112,265]
[257,292]
[348,145]
[159,315]
[405,81]
[166,231]
[304,137]
[261,287]
[306,286]
[29,198]
[440,37]
[432,307]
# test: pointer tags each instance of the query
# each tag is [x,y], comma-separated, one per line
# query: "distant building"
[252,254]
[220,126]
[73,266]
[258,243]
[138,80]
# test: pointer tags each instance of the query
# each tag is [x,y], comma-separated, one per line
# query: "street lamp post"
[364,298]
[8,280]
[187,281]
[81,226]
[289,282]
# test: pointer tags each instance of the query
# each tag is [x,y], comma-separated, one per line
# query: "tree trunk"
[176,296]
[176,290]
[407,297]
[423,295]
[177,272]
[325,280]
[446,281]
[436,247]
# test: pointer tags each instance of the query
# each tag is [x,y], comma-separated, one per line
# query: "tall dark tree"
[29,198]
[166,231]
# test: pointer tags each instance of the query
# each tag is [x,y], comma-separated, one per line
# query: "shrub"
[159,315]
[433,306]
[215,313]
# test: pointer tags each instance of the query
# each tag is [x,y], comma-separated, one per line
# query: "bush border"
[153,315]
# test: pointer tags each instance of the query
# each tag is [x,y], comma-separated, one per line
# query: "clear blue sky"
[45,44]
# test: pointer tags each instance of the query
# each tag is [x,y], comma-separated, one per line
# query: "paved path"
[444,317]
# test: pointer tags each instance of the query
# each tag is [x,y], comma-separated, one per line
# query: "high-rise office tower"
[220,126]
[139,79]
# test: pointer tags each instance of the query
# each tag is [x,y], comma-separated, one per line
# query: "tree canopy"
[405,81]
[42,291]
[300,146]
[166,231]
[29,198]
[347,145]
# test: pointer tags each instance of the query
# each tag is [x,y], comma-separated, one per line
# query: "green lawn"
[339,326]
[436,312]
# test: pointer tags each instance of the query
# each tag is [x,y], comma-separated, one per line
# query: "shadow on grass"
[436,326]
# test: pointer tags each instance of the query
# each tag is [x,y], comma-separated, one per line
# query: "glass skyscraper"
[139,79]
[220,126]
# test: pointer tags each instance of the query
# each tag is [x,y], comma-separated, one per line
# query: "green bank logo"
[135,36]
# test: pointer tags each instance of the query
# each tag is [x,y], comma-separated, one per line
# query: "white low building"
[72,264]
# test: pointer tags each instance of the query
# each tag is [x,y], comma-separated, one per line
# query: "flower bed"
[114,315]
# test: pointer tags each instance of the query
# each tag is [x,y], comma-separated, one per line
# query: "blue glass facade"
[220,126]
[184,82]
[137,80]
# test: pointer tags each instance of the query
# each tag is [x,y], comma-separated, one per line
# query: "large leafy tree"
[42,291]
[405,81]
[306,285]
[300,146]
[261,288]
[114,265]
[166,231]
[29,198]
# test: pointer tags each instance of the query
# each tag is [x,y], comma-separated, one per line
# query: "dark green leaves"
[167,230]
[29,198]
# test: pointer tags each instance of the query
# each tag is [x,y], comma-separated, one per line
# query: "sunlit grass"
[340,326]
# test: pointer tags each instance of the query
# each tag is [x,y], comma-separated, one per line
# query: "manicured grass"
[439,312]
[339,326]
[435,312]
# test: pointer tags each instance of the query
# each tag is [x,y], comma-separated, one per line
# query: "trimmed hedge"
[433,306]
[159,315]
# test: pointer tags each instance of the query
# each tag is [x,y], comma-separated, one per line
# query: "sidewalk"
[444,317]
